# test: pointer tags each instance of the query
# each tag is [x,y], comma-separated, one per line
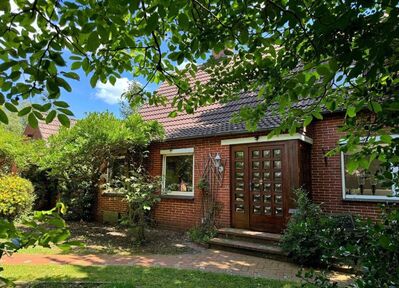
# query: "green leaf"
[3,117]
[24,111]
[92,42]
[386,139]
[307,120]
[351,111]
[376,107]
[65,111]
[352,165]
[32,120]
[317,115]
[10,107]
[76,65]
[52,86]
[57,58]
[152,23]
[93,80]
[50,116]
[61,104]
[323,70]
[64,120]
[72,75]
[62,83]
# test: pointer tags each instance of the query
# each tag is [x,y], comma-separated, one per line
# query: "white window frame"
[177,152]
[369,198]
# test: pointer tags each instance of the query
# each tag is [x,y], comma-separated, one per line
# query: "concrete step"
[265,249]
[249,234]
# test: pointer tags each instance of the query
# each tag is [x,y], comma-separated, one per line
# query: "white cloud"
[111,94]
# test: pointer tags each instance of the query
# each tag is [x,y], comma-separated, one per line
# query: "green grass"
[41,250]
[128,276]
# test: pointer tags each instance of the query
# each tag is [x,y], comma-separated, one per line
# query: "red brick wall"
[326,173]
[183,213]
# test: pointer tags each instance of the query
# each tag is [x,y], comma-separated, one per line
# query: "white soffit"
[260,139]
[177,151]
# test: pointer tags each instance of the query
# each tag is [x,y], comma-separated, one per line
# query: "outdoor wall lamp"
[218,163]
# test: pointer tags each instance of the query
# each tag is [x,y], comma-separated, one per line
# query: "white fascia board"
[177,151]
[260,139]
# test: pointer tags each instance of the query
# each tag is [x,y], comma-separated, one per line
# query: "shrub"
[16,196]
[377,251]
[201,234]
[141,193]
[77,156]
[17,150]
[313,238]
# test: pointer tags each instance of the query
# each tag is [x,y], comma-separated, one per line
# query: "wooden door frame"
[286,181]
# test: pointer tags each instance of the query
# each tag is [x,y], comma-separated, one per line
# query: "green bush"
[16,196]
[140,191]
[201,234]
[313,238]
[78,156]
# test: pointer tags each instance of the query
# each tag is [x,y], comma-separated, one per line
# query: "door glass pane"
[239,208]
[278,199]
[256,198]
[255,187]
[239,154]
[279,211]
[268,210]
[257,210]
[256,175]
[277,175]
[266,153]
[268,187]
[255,165]
[255,154]
[268,198]
[266,176]
[239,165]
[266,164]
[239,197]
[239,186]
[276,153]
[277,187]
[277,164]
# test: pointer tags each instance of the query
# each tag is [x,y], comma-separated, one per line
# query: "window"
[178,172]
[364,185]
[117,168]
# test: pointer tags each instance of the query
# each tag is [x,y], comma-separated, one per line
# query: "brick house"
[259,173]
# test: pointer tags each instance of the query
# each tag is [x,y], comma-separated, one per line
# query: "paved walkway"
[206,260]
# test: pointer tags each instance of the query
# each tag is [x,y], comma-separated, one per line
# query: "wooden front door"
[259,187]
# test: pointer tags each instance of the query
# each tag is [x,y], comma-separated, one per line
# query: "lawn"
[128,276]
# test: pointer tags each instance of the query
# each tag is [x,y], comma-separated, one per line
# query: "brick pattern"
[182,214]
[326,172]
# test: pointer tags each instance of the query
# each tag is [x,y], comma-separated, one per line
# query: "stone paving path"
[206,260]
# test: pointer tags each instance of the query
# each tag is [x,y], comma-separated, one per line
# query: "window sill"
[111,194]
[174,196]
[361,198]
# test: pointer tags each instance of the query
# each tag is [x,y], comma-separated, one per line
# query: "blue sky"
[84,99]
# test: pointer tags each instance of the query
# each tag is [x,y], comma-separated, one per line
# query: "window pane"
[179,173]
[363,182]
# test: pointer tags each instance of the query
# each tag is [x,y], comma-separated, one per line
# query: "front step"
[249,242]
[248,246]
[243,233]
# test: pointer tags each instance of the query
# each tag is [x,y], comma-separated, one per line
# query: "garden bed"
[108,239]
